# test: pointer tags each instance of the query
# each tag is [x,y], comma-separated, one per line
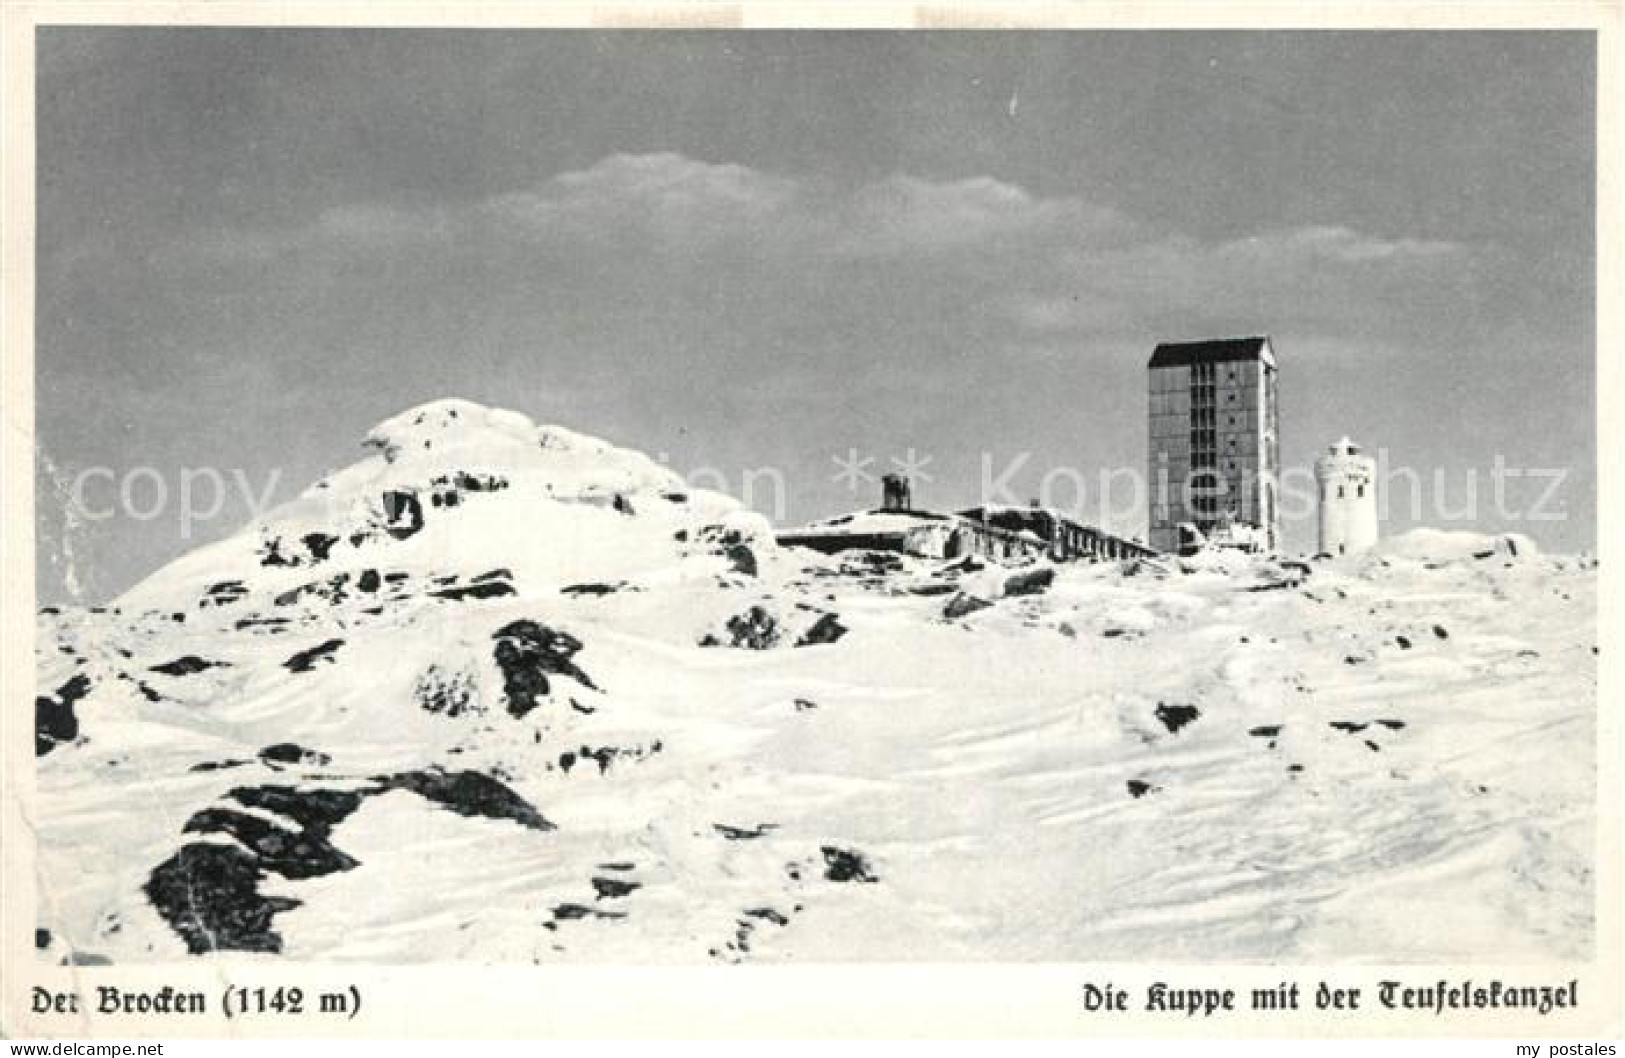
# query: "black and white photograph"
[506,496]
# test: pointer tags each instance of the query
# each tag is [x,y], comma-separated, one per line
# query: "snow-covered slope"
[507,694]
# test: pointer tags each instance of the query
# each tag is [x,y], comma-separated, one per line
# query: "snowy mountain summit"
[502,692]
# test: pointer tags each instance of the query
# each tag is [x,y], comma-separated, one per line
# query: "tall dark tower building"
[1215,454]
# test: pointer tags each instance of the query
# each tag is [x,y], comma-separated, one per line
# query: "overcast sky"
[765,249]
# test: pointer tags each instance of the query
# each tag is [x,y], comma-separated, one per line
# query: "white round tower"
[1348,499]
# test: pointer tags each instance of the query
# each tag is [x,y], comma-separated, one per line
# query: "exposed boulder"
[218,765]
[827,629]
[306,660]
[320,545]
[209,894]
[755,629]
[54,719]
[846,865]
[1174,717]
[743,833]
[403,514]
[317,809]
[223,593]
[591,589]
[738,538]
[469,793]
[290,753]
[573,912]
[604,756]
[185,665]
[962,605]
[208,891]
[446,691]
[614,888]
[496,583]
[302,853]
[1031,582]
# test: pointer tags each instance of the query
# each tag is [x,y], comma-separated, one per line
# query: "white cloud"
[904,214]
[676,200]
[1045,266]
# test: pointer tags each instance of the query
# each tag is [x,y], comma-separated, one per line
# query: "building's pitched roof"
[1211,350]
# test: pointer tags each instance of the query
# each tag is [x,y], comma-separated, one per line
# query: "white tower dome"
[1348,499]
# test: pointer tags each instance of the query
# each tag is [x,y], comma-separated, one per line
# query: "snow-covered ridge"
[455,485]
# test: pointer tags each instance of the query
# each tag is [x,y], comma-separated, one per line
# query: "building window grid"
[1205,482]
[1203,418]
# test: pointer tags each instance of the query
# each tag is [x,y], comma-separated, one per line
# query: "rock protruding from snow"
[528,653]
[54,719]
[209,891]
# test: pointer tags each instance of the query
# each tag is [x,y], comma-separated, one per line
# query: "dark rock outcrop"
[614,888]
[290,753]
[1031,582]
[55,722]
[218,765]
[209,894]
[223,593]
[827,629]
[302,853]
[404,514]
[305,660]
[528,653]
[755,629]
[1174,717]
[445,691]
[318,809]
[846,865]
[732,545]
[270,553]
[320,545]
[185,665]
[604,756]
[962,605]
[744,833]
[272,625]
[589,589]
[478,588]
[469,793]
[573,912]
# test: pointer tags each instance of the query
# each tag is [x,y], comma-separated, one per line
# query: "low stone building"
[996,532]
